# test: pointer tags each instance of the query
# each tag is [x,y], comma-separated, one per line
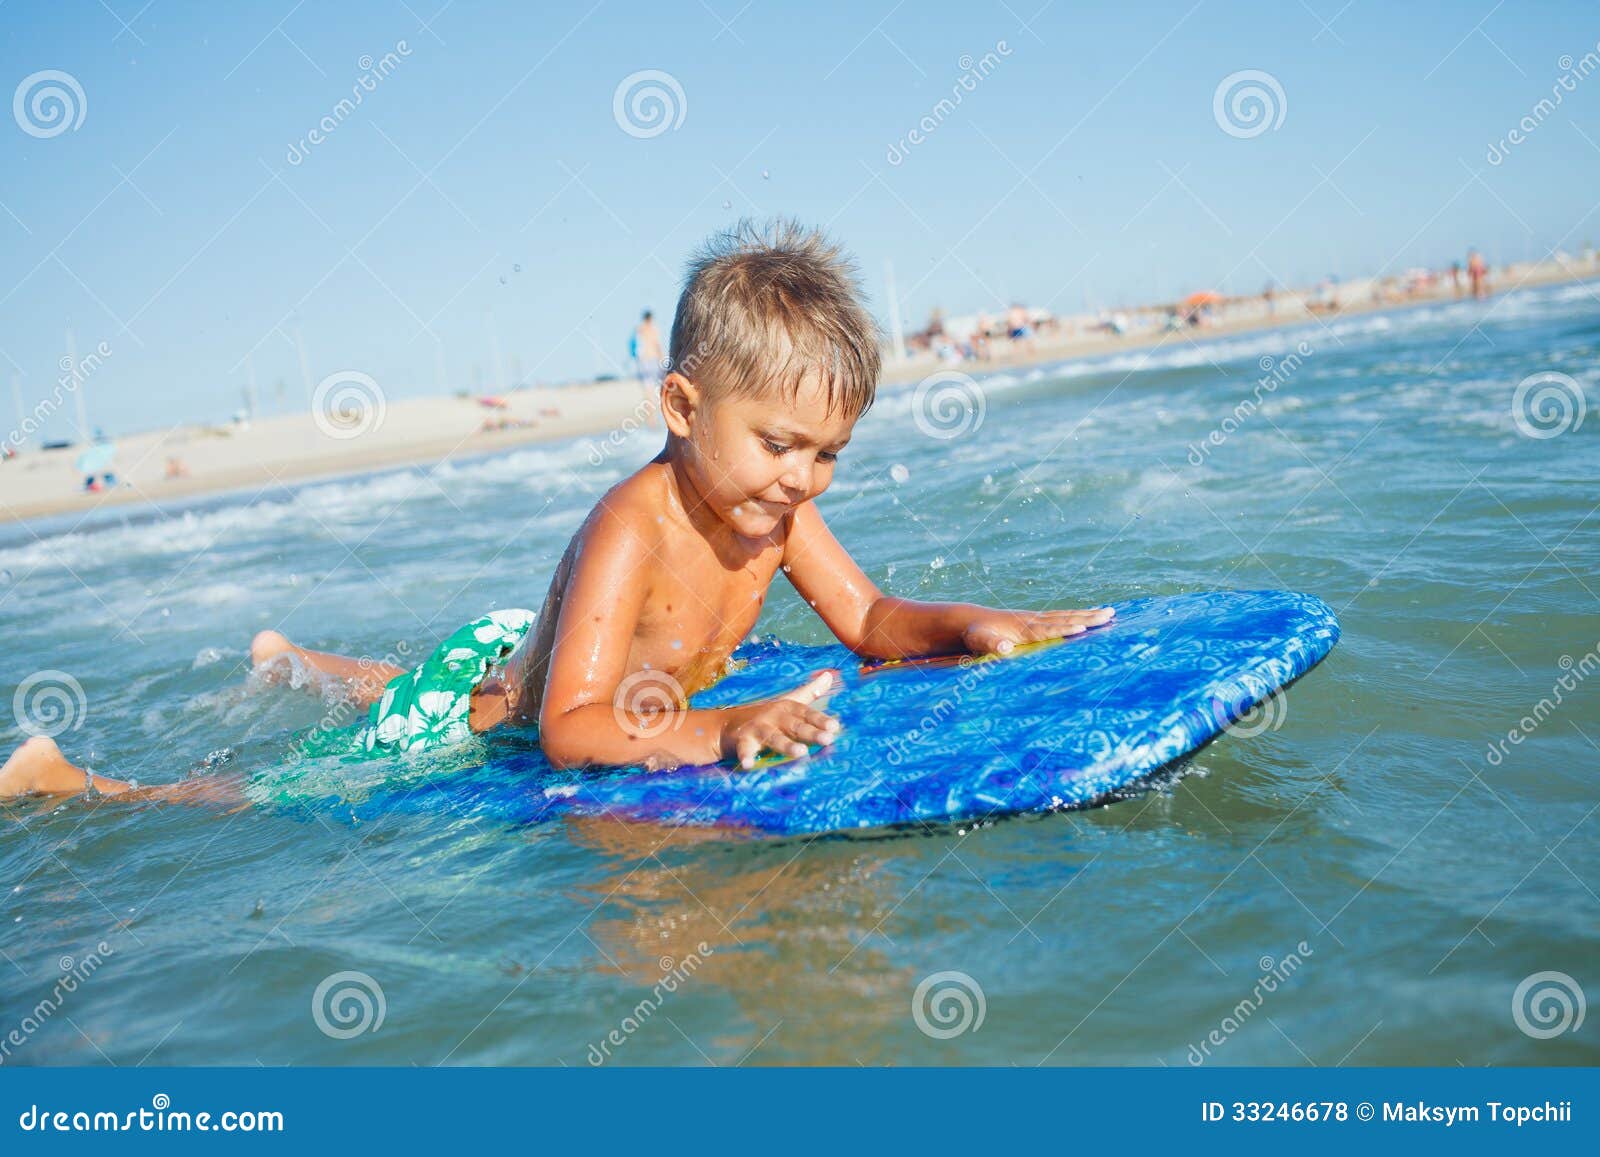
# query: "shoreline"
[290,450]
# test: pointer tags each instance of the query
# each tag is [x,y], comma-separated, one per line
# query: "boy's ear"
[680,398]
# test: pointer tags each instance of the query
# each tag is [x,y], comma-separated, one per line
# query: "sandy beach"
[283,449]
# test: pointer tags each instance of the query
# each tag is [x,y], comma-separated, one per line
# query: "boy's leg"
[39,768]
[367,676]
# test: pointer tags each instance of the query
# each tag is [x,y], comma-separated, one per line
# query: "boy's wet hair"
[766,306]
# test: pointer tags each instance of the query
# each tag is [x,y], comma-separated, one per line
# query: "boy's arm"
[881,626]
[595,713]
[580,719]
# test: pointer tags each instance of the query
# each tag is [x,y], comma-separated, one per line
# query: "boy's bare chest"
[698,611]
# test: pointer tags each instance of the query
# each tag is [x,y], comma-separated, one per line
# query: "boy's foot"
[39,766]
[267,646]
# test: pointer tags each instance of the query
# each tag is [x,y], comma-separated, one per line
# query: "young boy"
[773,360]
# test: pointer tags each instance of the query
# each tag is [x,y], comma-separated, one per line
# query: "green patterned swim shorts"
[428,706]
[424,709]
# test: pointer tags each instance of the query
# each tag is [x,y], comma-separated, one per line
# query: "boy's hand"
[998,632]
[786,724]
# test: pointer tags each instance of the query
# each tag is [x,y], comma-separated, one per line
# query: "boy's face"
[754,459]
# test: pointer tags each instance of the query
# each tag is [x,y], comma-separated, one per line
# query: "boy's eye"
[827,455]
[774,448]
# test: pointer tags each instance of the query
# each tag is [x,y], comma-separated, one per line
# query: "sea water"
[1400,866]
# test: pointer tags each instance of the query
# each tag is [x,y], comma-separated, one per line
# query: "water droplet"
[766,176]
[516,269]
[502,279]
[727,204]
[899,473]
[677,644]
[988,479]
[937,563]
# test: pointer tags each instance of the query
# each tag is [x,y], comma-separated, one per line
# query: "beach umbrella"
[1204,297]
[97,458]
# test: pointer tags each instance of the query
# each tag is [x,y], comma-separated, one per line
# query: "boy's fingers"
[987,640]
[811,733]
[822,684]
[749,747]
[819,720]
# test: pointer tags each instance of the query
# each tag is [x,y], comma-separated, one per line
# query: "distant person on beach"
[1455,277]
[647,355]
[774,359]
[1478,274]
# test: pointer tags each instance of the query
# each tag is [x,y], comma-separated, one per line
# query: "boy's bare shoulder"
[629,516]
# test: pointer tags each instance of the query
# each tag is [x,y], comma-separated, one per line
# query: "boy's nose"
[796,480]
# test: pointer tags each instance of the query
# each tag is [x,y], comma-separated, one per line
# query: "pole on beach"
[250,388]
[441,378]
[16,396]
[896,333]
[78,392]
[494,352]
[305,364]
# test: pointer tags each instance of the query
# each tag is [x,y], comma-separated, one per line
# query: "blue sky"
[486,183]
